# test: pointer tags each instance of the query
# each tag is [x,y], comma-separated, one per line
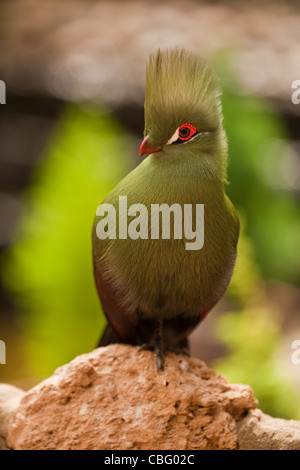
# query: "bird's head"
[183,115]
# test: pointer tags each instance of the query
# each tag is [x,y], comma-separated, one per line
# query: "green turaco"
[154,284]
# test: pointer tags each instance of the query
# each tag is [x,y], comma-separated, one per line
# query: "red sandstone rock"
[258,431]
[113,398]
[10,397]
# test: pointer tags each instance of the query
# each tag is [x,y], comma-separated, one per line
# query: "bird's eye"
[186,131]
[182,134]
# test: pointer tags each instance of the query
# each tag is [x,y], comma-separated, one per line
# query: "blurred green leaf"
[254,130]
[50,265]
[252,334]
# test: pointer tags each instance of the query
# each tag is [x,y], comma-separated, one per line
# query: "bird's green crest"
[181,87]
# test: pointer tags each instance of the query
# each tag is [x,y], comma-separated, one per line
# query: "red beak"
[146,150]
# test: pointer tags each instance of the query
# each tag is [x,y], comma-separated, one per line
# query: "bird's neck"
[200,167]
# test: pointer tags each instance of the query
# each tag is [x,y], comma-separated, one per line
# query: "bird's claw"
[178,350]
[147,347]
[158,351]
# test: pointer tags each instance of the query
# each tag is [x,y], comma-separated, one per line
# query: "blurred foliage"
[50,265]
[252,334]
[269,247]
[260,187]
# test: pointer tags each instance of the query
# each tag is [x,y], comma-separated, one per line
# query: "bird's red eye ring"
[186,131]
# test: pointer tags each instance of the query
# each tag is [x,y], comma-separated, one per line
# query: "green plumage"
[182,87]
[159,280]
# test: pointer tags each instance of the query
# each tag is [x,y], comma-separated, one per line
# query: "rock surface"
[113,398]
[10,397]
[258,431]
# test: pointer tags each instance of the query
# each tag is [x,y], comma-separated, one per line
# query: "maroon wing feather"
[123,327]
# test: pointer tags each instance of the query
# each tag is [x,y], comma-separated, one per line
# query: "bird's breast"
[171,250]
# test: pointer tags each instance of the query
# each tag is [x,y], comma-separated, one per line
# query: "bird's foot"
[159,353]
[156,344]
[179,350]
[147,347]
